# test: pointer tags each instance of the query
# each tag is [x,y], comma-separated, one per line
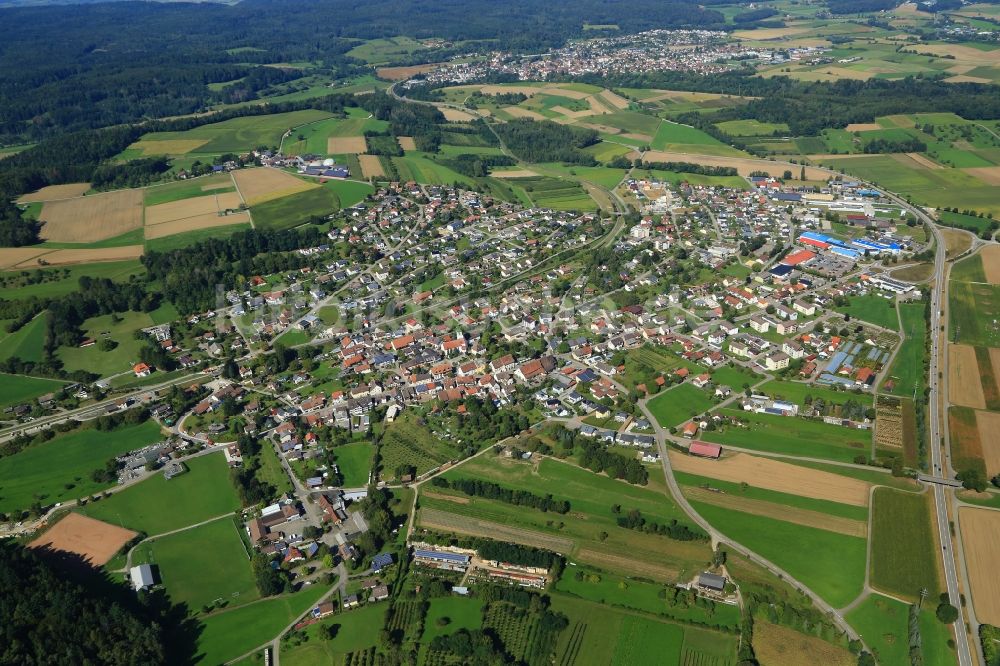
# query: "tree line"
[634,520]
[494,491]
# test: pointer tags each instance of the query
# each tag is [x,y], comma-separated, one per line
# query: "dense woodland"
[45,618]
[546,141]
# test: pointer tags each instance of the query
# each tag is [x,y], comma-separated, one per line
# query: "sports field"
[675,406]
[354,461]
[60,469]
[903,549]
[202,565]
[95,541]
[157,505]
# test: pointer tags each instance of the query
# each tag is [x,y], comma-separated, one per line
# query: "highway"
[941,464]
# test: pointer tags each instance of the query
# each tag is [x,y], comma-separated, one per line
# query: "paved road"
[940,467]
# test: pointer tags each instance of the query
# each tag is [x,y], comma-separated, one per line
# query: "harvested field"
[863,127]
[965,388]
[614,99]
[53,192]
[514,173]
[742,165]
[913,273]
[450,522]
[518,112]
[94,540]
[572,114]
[93,218]
[606,129]
[995,363]
[194,207]
[796,516]
[775,645]
[403,73]
[776,475]
[66,257]
[638,137]
[663,570]
[981,540]
[991,263]
[406,142]
[966,449]
[455,115]
[215,186]
[769,33]
[956,242]
[960,53]
[989,175]
[528,91]
[923,161]
[169,146]
[565,92]
[988,424]
[598,105]
[371,166]
[205,221]
[264,184]
[342,145]
[13,256]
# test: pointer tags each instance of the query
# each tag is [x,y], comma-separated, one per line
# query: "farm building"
[712,582]
[705,450]
[441,560]
[142,577]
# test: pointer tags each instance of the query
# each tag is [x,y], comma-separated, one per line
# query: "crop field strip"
[91,218]
[981,543]
[903,550]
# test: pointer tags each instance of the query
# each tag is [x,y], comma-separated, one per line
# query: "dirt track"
[94,540]
[981,541]
[775,475]
[964,385]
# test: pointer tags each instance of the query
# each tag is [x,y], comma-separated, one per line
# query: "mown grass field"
[187,238]
[231,633]
[17,389]
[119,359]
[883,622]
[685,139]
[186,189]
[61,281]
[972,310]
[832,565]
[874,309]
[798,391]
[677,177]
[240,134]
[792,435]
[60,469]
[26,343]
[675,406]
[904,551]
[591,497]
[157,505]
[295,209]
[202,565]
[355,462]
[616,590]
[356,630]
[908,367]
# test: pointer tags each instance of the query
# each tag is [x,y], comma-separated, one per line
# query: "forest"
[127,61]
[546,141]
[47,618]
